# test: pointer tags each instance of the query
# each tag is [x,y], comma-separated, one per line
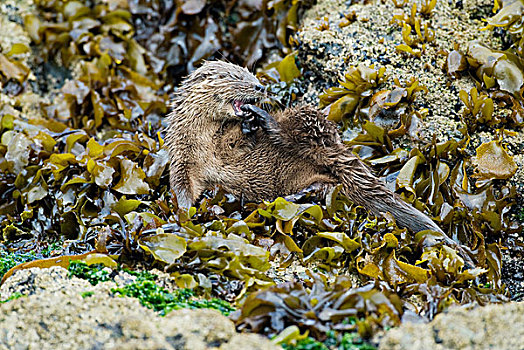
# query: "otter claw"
[248,127]
[251,117]
[259,117]
[256,112]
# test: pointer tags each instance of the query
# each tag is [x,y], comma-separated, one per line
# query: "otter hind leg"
[184,184]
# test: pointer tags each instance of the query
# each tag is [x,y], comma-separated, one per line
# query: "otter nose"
[260,88]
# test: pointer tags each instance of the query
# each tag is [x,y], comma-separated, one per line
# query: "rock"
[372,38]
[490,327]
[53,314]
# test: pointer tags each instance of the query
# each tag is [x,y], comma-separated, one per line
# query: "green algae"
[344,341]
[13,296]
[154,297]
[10,259]
[145,289]
[95,273]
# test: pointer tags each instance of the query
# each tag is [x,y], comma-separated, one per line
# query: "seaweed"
[427,6]
[434,178]
[356,84]
[400,3]
[478,109]
[242,31]
[282,81]
[509,17]
[493,162]
[423,33]
[349,18]
[320,309]
[13,73]
[393,110]
[455,63]
[68,176]
[500,71]
[144,32]
[323,24]
[341,235]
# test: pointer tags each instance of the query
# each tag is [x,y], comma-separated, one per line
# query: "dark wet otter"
[292,151]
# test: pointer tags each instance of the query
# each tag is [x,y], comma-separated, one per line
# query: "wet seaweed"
[509,17]
[320,309]
[415,43]
[356,84]
[502,73]
[282,81]
[13,73]
[478,109]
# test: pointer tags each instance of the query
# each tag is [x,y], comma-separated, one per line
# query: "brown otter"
[292,151]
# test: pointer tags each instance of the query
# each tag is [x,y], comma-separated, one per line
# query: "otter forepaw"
[259,118]
[255,111]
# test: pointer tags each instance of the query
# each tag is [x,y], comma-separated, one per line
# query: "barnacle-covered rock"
[58,311]
[492,326]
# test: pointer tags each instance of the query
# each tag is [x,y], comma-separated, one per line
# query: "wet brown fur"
[300,148]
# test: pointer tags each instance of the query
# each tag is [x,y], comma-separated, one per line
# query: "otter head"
[222,88]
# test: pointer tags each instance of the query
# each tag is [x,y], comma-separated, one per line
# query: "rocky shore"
[53,311]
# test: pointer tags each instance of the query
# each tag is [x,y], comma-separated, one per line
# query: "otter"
[289,152]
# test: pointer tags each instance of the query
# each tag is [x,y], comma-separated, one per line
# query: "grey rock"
[54,315]
[491,327]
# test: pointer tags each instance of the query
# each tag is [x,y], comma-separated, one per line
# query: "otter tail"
[364,189]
